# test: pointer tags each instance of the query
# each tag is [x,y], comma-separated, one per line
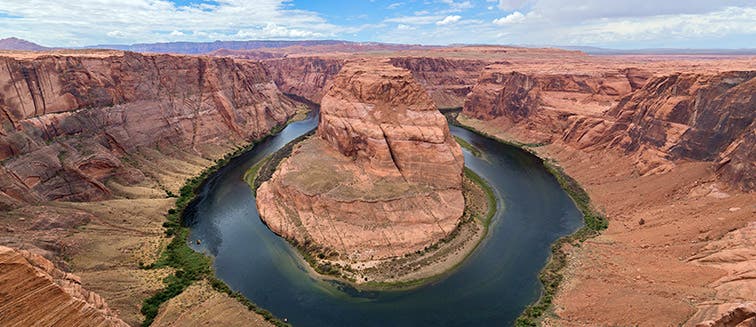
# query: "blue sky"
[605,23]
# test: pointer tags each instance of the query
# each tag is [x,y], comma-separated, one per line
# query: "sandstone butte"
[381,178]
[91,140]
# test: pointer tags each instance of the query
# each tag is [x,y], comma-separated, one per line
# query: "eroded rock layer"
[69,123]
[381,178]
[34,292]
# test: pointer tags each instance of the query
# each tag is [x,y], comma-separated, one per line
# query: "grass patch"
[490,196]
[451,117]
[189,265]
[551,276]
[251,174]
[263,170]
[467,146]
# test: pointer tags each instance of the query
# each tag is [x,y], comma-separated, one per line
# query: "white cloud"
[509,5]
[51,22]
[515,17]
[449,20]
[731,27]
[116,34]
[455,6]
[394,5]
[579,10]
[273,31]
[403,27]
[177,33]
[414,20]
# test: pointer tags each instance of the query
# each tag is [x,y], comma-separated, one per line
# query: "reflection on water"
[492,287]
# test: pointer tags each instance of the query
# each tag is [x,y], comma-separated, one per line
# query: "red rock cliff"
[706,117]
[68,121]
[447,81]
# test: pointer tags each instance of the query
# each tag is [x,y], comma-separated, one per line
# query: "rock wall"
[695,117]
[448,81]
[69,123]
[304,76]
[36,293]
[381,178]
[702,117]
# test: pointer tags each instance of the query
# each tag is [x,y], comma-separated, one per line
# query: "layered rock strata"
[34,292]
[381,178]
[70,123]
[676,117]
[448,81]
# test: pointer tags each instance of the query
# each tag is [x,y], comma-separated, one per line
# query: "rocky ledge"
[381,178]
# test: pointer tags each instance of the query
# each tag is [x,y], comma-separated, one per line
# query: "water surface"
[492,286]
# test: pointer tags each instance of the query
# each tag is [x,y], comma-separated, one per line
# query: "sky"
[619,24]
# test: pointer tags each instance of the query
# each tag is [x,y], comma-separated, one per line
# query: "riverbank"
[411,270]
[191,267]
[664,258]
[552,274]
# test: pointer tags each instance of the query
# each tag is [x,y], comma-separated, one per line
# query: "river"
[491,287]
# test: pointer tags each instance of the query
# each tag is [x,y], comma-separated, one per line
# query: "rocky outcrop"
[514,95]
[381,178]
[36,293]
[306,77]
[677,117]
[448,81]
[692,116]
[743,315]
[70,123]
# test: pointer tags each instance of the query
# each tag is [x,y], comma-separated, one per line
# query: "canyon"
[93,143]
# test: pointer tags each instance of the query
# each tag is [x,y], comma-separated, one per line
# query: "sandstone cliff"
[70,123]
[381,178]
[447,81]
[306,77]
[34,292]
[692,116]
[676,117]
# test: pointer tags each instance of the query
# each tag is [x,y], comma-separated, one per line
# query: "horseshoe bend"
[381,178]
[338,183]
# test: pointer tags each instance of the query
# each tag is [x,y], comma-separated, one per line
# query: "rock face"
[70,123]
[682,116]
[306,77]
[37,293]
[693,116]
[381,178]
[447,81]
